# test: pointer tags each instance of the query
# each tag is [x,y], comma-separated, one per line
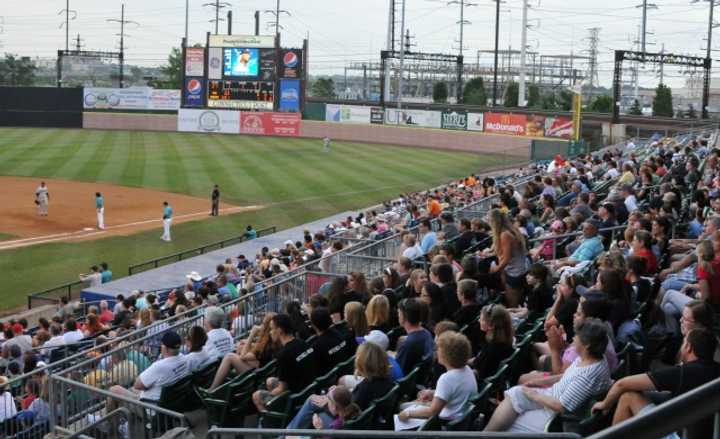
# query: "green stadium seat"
[283,407]
[363,422]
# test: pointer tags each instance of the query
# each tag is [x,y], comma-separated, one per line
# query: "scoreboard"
[243,72]
[241,95]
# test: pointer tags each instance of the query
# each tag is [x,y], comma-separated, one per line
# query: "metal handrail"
[132,269]
[219,433]
[676,414]
[80,433]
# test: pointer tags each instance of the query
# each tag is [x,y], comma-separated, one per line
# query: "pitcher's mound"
[72,214]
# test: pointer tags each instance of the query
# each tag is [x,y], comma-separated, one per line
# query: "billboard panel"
[215,63]
[241,95]
[561,127]
[347,113]
[194,91]
[164,99]
[419,118]
[194,61]
[475,121]
[269,123]
[290,95]
[242,41]
[535,126]
[208,121]
[377,115]
[133,98]
[503,123]
[267,64]
[291,62]
[454,120]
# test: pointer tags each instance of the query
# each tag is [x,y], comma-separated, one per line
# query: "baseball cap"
[171,340]
[17,328]
[288,242]
[379,338]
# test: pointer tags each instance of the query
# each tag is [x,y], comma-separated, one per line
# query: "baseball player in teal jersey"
[167,220]
[100,208]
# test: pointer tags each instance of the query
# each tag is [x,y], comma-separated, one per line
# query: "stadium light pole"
[497,45]
[402,63]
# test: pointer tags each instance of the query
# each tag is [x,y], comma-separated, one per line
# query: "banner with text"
[133,98]
[269,124]
[561,127]
[195,61]
[164,99]
[454,120]
[209,121]
[347,113]
[503,123]
[475,121]
[290,95]
[377,115]
[418,118]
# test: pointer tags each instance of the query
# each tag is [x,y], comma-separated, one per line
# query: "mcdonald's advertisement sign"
[504,123]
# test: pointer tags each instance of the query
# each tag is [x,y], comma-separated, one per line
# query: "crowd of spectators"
[565,277]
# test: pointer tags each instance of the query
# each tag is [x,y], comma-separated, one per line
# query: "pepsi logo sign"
[194,87]
[290,59]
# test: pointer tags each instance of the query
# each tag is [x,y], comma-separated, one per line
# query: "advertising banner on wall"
[475,121]
[377,115]
[535,126]
[242,41]
[418,118]
[164,99]
[347,113]
[454,120]
[215,63]
[209,121]
[291,63]
[195,61]
[193,92]
[269,124]
[504,123]
[561,127]
[290,95]
[134,98]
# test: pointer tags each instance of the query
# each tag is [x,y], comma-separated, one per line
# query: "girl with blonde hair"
[509,247]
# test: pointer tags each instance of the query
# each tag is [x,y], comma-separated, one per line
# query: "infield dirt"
[72,214]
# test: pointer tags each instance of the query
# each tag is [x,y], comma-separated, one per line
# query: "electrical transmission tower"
[122,36]
[68,12]
[593,42]
[218,5]
[462,21]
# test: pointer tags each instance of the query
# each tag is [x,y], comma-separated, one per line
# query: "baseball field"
[263,181]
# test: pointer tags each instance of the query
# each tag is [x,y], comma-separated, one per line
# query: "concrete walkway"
[172,275]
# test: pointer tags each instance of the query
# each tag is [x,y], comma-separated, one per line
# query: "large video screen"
[241,62]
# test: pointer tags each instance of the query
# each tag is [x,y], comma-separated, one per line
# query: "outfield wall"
[514,146]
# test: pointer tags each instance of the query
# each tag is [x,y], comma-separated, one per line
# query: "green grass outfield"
[293,178]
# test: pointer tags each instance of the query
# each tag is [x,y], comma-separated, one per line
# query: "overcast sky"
[343,31]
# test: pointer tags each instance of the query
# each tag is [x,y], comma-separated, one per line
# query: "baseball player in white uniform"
[42,199]
[167,221]
[100,208]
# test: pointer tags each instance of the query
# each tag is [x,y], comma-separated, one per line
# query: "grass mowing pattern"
[296,181]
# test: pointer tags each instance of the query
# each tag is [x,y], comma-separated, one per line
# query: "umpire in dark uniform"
[215,201]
